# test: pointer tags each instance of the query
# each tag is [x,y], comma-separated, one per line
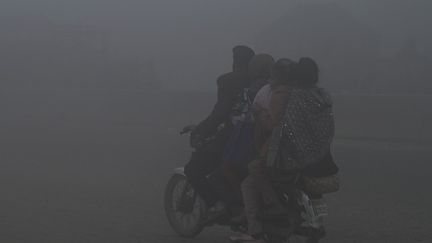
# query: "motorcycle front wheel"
[184,209]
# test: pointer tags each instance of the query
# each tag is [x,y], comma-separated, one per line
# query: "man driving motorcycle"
[208,155]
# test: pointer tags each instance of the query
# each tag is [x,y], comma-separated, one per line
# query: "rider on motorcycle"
[294,91]
[292,179]
[241,149]
[208,156]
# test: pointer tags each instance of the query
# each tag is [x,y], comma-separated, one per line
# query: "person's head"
[283,72]
[307,72]
[241,57]
[260,66]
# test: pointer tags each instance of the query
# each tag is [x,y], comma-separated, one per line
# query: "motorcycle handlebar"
[188,129]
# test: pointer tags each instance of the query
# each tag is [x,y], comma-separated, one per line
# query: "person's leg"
[203,162]
[201,165]
[251,198]
[233,179]
[263,185]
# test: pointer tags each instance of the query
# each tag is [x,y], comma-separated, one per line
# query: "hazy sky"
[190,40]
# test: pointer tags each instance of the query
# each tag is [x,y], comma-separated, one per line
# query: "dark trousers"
[199,167]
[203,162]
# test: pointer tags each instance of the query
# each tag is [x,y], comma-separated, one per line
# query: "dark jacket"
[230,85]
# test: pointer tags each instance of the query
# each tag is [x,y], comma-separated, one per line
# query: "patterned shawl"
[306,131]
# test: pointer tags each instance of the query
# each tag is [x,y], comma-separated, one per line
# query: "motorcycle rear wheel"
[185,222]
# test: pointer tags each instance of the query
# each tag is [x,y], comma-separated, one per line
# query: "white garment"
[262,98]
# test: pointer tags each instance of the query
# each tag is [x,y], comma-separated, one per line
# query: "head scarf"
[260,66]
[283,72]
[307,72]
[242,56]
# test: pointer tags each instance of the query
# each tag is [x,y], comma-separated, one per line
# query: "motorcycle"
[187,213]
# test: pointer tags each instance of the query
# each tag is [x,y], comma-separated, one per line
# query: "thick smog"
[190,121]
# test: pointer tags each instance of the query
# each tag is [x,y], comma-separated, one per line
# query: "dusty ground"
[79,167]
